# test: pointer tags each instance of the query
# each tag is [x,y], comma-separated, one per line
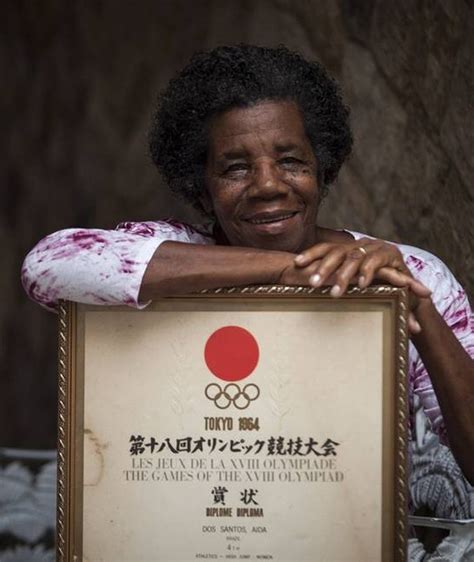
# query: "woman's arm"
[178,268]
[442,330]
[87,265]
[140,261]
[451,371]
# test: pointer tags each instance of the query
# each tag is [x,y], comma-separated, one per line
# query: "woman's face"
[261,177]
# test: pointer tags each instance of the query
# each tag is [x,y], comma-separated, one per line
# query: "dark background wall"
[79,80]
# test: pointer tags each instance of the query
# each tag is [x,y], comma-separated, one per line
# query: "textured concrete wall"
[408,74]
[79,83]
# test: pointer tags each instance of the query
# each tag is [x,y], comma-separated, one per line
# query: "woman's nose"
[267,182]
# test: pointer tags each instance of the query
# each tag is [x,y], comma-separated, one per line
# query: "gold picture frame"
[361,358]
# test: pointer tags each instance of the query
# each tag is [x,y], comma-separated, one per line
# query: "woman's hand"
[358,262]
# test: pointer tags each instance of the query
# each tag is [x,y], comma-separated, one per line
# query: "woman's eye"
[290,161]
[240,167]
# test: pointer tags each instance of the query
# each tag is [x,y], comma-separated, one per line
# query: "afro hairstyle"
[241,76]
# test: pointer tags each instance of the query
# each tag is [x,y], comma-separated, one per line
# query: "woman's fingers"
[346,273]
[314,253]
[369,268]
[413,325]
[418,288]
[348,263]
[364,260]
[320,250]
[327,266]
[402,279]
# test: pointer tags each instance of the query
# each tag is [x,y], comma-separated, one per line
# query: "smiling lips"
[270,218]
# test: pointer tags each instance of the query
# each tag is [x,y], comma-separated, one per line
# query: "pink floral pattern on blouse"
[106,267]
[453,305]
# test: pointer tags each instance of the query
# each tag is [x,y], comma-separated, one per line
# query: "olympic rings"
[231,394]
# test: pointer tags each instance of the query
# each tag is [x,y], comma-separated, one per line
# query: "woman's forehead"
[276,122]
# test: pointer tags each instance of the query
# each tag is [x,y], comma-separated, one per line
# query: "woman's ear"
[206,203]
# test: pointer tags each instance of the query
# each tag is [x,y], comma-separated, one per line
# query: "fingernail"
[361,281]
[424,287]
[335,291]
[299,258]
[417,327]
[315,279]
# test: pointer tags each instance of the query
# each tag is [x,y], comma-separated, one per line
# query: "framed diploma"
[259,423]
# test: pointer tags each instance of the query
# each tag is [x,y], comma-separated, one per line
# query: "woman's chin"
[276,243]
[294,242]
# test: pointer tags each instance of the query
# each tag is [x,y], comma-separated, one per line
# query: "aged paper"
[280,463]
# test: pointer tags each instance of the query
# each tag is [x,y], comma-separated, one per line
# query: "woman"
[253,137]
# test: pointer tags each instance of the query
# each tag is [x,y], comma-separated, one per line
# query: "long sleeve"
[95,266]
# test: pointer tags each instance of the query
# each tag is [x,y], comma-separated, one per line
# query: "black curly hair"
[240,76]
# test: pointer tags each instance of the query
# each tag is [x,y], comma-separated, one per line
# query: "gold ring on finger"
[363,250]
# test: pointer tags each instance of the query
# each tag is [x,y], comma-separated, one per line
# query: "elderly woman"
[253,137]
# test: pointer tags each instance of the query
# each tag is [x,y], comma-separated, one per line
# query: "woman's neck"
[331,235]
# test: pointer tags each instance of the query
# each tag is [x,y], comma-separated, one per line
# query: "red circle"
[231,353]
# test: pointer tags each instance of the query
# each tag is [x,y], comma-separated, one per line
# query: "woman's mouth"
[272,224]
[270,218]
